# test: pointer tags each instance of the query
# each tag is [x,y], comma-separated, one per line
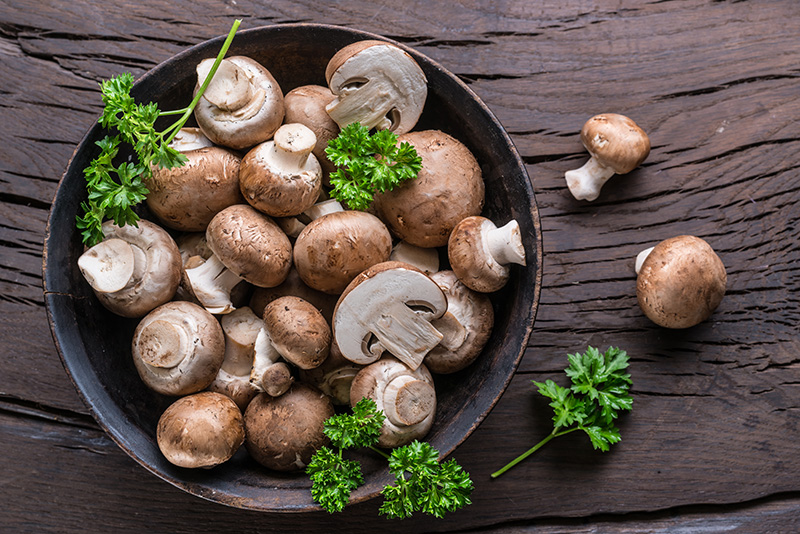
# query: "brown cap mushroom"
[200,430]
[480,252]
[449,187]
[406,396]
[243,104]
[376,84]
[282,178]
[283,433]
[140,270]
[466,326]
[617,146]
[335,248]
[681,282]
[241,328]
[178,348]
[187,197]
[306,105]
[298,331]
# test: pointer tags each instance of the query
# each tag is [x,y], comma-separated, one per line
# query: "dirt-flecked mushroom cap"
[306,105]
[243,104]
[449,188]
[389,308]
[466,326]
[187,197]
[298,331]
[178,348]
[681,282]
[282,178]
[335,248]
[200,430]
[251,245]
[480,252]
[407,397]
[617,146]
[283,433]
[156,270]
[376,84]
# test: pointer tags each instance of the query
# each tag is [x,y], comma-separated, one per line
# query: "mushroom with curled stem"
[389,308]
[480,253]
[134,270]
[283,433]
[178,348]
[617,146]
[242,105]
[680,282]
[407,397]
[241,328]
[376,84]
[281,177]
[306,105]
[200,430]
[333,377]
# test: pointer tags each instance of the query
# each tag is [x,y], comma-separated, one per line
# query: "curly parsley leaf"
[597,395]
[369,164]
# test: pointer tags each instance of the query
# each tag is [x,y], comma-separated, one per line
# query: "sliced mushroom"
[407,397]
[480,252]
[243,104]
[306,105]
[449,188]
[376,84]
[389,308]
[241,329]
[178,348]
[200,430]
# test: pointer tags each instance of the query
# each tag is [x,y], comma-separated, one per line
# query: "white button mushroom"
[617,146]
[480,253]
[681,282]
[407,397]
[243,104]
[376,84]
[178,348]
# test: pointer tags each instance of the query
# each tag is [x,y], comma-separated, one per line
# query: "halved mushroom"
[407,397]
[243,104]
[449,188]
[389,308]
[241,328]
[376,84]
[306,105]
[178,348]
[139,270]
[200,430]
[480,252]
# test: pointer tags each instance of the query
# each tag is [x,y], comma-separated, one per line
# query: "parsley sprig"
[599,392]
[368,164]
[422,483]
[113,191]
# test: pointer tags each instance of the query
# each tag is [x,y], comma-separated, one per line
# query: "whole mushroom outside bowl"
[95,345]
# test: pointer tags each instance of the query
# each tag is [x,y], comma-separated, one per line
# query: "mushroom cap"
[470,257]
[407,398]
[298,331]
[449,188]
[283,433]
[252,124]
[200,430]
[615,141]
[250,244]
[681,282]
[335,248]
[187,197]
[474,319]
[178,348]
[306,105]
[156,273]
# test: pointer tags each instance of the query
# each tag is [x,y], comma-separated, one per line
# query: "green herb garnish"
[422,482]
[599,392]
[369,164]
[113,191]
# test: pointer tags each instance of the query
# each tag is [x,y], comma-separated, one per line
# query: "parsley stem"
[530,451]
[382,453]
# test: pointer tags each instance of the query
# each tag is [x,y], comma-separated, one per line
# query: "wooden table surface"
[712,442]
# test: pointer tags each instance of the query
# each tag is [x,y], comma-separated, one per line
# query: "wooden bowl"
[94,344]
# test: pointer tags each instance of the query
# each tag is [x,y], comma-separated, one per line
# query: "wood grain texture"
[711,443]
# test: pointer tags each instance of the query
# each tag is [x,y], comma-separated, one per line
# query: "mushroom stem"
[408,401]
[167,344]
[230,89]
[212,283]
[323,208]
[405,334]
[108,266]
[505,244]
[585,183]
[293,145]
[641,257]
[269,373]
[241,328]
[424,259]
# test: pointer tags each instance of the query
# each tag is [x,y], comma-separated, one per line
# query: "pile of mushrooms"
[263,305]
